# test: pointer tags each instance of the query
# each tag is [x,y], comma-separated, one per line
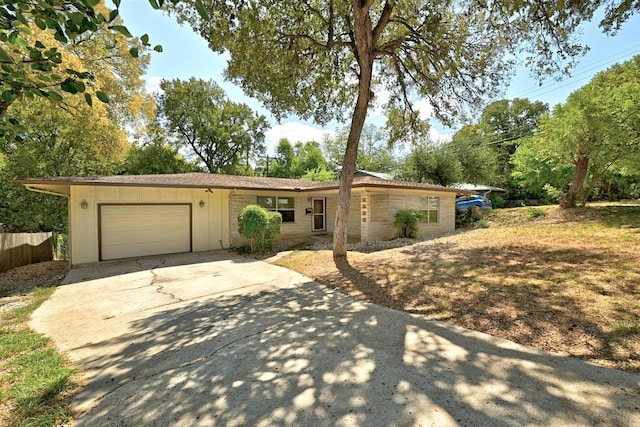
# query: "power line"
[611,59]
[608,60]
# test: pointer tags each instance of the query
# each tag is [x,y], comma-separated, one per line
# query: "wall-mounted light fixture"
[84,204]
[201,203]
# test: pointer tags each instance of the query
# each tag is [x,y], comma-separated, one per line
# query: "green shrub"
[482,223]
[260,226]
[551,194]
[496,201]
[472,217]
[407,221]
[536,212]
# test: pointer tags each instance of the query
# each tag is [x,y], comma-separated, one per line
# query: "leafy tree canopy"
[294,161]
[492,141]
[51,145]
[597,129]
[430,165]
[374,153]
[225,136]
[156,158]
[77,139]
[479,160]
[451,53]
[151,153]
[31,33]
[321,59]
[512,119]
[319,174]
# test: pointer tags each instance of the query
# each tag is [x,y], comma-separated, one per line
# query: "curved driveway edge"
[215,339]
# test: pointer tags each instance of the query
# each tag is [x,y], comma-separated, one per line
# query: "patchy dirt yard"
[17,283]
[564,282]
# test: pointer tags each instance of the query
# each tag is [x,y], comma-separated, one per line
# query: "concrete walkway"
[213,339]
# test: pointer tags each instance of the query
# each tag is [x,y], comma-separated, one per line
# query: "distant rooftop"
[381,175]
[478,187]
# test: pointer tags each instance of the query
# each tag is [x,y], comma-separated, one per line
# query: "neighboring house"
[126,216]
[483,190]
[362,173]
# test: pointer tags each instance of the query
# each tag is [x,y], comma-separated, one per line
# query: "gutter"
[49,192]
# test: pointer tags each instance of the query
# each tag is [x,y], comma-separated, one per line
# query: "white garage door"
[128,231]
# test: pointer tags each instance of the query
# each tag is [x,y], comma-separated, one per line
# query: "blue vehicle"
[465,202]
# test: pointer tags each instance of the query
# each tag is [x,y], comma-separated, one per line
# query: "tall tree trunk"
[568,200]
[364,54]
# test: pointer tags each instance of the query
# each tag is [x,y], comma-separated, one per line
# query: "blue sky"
[185,54]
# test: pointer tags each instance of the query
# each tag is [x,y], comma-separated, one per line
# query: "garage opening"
[133,230]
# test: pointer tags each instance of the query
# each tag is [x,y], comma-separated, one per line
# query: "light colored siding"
[237,203]
[355,221]
[332,206]
[446,210]
[215,225]
[210,222]
[299,228]
[379,207]
[381,223]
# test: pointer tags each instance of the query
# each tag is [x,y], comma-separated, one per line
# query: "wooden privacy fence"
[18,249]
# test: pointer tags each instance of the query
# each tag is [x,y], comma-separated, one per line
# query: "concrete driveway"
[213,339]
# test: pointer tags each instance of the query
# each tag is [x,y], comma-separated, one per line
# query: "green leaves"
[54,95]
[103,97]
[29,60]
[72,86]
[5,57]
[599,122]
[7,96]
[224,135]
[122,30]
[201,10]
[260,226]
[408,222]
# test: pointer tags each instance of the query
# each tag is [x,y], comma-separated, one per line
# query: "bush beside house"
[260,226]
[407,221]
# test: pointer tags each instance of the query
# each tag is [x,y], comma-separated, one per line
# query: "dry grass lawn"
[568,282]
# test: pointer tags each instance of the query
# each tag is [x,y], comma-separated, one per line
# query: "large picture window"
[284,205]
[429,208]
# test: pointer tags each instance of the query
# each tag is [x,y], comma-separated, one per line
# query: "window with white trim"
[429,207]
[284,205]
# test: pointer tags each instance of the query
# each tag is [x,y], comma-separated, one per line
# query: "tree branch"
[383,21]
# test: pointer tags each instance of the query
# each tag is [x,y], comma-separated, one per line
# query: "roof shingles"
[207,180]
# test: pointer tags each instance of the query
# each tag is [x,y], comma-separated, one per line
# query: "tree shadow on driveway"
[308,356]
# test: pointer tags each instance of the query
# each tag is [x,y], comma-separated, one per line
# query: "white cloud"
[425,109]
[152,84]
[294,132]
[382,96]
[437,134]
[439,137]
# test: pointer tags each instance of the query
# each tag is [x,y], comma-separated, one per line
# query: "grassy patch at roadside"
[564,281]
[34,377]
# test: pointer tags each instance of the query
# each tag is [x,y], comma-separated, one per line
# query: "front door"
[319,214]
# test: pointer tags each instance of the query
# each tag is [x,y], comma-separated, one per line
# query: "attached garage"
[131,230]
